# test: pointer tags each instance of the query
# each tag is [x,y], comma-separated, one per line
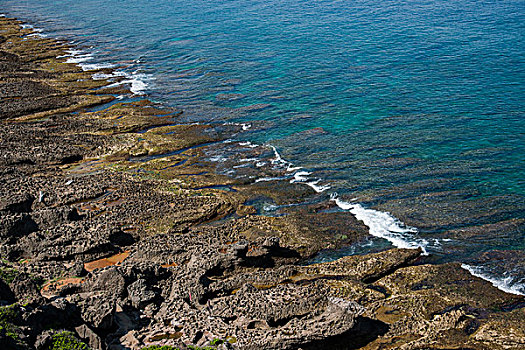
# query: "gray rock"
[94,341]
[139,294]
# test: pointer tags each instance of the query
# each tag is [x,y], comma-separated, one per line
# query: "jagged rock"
[109,280]
[44,340]
[57,314]
[139,294]
[52,217]
[13,226]
[128,340]
[93,340]
[26,288]
[97,309]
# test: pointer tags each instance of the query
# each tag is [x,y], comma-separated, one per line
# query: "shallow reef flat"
[118,232]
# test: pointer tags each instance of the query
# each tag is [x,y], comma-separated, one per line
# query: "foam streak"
[505,283]
[384,225]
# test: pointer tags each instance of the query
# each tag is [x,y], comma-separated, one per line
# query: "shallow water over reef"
[415,108]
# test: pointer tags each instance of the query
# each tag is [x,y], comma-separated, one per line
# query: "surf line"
[383,225]
[380,224]
[138,82]
[504,283]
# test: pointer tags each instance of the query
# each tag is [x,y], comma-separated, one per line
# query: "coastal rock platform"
[117,232]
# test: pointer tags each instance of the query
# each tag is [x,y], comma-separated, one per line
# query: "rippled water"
[410,107]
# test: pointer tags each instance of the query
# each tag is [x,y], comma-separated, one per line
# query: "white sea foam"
[138,82]
[266,179]
[246,160]
[293,168]
[71,52]
[103,76]
[79,58]
[86,67]
[384,225]
[40,35]
[248,144]
[244,126]
[218,159]
[318,188]
[504,283]
[300,176]
[270,207]
[29,26]
[36,31]
[244,165]
[278,160]
[138,85]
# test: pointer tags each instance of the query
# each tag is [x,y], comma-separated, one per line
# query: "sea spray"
[138,82]
[504,283]
[384,225]
[298,175]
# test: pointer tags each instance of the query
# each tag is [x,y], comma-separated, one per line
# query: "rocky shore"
[117,232]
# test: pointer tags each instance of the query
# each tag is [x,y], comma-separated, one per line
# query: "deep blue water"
[421,103]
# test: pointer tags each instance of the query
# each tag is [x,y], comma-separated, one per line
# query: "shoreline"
[79,221]
[400,235]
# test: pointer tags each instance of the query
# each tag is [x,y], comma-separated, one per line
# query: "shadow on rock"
[365,331]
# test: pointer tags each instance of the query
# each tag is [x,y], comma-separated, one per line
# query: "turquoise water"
[410,107]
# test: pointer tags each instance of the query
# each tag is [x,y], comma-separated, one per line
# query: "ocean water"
[410,114]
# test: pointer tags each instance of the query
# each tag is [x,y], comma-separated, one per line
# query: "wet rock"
[368,268]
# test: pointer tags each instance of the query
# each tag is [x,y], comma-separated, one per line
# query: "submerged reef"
[117,232]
